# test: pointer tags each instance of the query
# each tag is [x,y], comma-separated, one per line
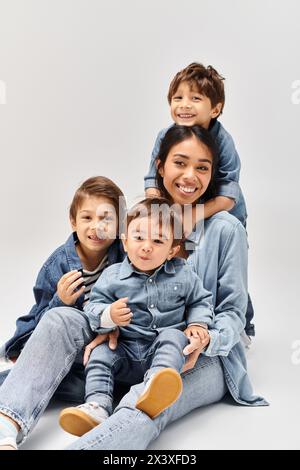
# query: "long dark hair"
[174,136]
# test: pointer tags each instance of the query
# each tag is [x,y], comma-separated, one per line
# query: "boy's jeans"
[131,429]
[130,362]
[44,362]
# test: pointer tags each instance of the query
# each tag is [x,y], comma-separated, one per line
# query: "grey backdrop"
[83,92]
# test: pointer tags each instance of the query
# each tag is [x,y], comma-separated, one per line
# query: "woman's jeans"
[47,358]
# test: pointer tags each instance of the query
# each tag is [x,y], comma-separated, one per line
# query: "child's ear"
[215,112]
[173,252]
[124,241]
[73,224]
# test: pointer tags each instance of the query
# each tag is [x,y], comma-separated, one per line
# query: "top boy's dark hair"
[206,80]
[174,136]
[98,186]
[164,209]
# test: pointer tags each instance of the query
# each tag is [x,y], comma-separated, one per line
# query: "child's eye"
[177,97]
[179,163]
[197,98]
[86,217]
[137,237]
[158,242]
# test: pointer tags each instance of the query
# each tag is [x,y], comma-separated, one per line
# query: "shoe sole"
[76,422]
[164,389]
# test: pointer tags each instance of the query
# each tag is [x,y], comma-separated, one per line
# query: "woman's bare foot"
[11,421]
[8,433]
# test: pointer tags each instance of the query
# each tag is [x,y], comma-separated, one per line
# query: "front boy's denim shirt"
[228,172]
[218,254]
[62,260]
[172,297]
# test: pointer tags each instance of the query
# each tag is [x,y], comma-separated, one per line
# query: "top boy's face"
[148,244]
[189,107]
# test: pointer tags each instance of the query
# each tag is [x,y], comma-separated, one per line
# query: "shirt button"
[152,306]
[154,326]
[150,280]
[175,288]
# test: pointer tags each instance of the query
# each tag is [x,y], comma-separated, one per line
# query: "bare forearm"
[217,204]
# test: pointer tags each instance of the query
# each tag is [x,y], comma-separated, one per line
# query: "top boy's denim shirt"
[172,297]
[218,254]
[62,260]
[228,171]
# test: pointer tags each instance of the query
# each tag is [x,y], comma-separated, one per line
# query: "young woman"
[217,251]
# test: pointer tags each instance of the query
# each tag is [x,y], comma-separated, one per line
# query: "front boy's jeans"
[45,361]
[131,362]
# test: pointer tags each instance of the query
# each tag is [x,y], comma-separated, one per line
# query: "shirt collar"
[127,269]
[195,236]
[71,253]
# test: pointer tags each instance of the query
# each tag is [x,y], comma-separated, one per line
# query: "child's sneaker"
[161,391]
[78,420]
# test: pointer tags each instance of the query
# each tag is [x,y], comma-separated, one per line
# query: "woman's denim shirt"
[218,253]
[62,260]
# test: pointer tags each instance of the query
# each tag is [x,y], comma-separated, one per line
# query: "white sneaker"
[78,420]
[5,364]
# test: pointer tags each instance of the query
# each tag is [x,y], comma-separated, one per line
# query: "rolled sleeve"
[150,177]
[229,189]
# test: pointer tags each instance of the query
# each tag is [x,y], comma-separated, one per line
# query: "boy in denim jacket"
[196,96]
[158,302]
[81,259]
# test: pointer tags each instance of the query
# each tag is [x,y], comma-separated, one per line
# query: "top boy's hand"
[120,313]
[66,287]
[152,192]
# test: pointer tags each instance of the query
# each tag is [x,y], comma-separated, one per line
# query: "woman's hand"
[112,343]
[67,285]
[198,341]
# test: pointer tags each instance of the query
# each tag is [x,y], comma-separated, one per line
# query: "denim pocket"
[172,292]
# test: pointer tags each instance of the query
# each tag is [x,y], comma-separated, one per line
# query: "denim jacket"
[228,171]
[172,297]
[218,254]
[62,260]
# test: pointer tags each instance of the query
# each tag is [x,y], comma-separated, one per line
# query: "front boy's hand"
[120,313]
[67,287]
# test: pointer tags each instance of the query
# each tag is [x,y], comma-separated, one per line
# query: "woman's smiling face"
[187,171]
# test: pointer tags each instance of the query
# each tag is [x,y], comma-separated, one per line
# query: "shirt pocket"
[173,292]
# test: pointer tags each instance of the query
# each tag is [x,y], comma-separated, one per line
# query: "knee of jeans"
[58,316]
[173,335]
[102,353]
